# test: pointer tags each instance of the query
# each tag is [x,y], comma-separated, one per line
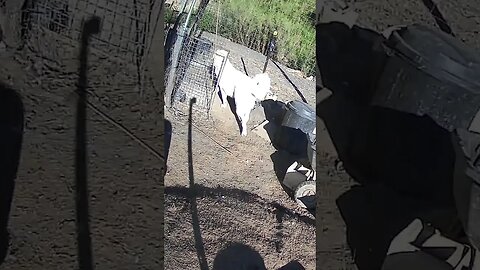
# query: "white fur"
[243,89]
[263,92]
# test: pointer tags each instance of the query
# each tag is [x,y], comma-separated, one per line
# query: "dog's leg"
[224,98]
[244,119]
[241,118]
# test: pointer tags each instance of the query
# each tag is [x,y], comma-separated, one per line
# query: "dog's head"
[263,87]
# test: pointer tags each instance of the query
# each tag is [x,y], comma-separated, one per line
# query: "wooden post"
[271,46]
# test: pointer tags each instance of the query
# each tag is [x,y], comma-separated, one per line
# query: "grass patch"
[250,22]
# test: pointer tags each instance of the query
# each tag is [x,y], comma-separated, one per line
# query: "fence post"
[272,44]
[180,34]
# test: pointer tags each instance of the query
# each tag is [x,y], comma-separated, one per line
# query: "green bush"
[250,22]
[170,15]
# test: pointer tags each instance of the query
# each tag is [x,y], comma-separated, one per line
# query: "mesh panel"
[53,28]
[193,76]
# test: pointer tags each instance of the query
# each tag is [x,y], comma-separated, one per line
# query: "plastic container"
[428,72]
[296,133]
[301,116]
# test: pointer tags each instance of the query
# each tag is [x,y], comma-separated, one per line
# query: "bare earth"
[124,179]
[238,195]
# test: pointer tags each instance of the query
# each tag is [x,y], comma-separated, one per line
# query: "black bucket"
[428,72]
[295,133]
[301,116]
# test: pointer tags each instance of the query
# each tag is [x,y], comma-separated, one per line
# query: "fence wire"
[53,28]
[194,75]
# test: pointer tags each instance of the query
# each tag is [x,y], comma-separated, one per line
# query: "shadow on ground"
[11,135]
[235,255]
[404,163]
[291,144]
[168,140]
[84,242]
[199,246]
[243,196]
[238,256]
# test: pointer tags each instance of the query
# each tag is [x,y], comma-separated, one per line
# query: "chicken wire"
[53,28]
[194,75]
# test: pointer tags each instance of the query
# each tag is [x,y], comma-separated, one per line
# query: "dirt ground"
[124,180]
[238,195]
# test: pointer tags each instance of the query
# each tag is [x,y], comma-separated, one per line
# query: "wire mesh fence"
[188,72]
[52,28]
[194,75]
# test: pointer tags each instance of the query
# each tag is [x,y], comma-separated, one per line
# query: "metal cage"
[194,75]
[52,28]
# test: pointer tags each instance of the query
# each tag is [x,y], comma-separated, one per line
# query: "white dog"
[243,89]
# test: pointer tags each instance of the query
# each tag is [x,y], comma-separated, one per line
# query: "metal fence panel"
[52,28]
[194,74]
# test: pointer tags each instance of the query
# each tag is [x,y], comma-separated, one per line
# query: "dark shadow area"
[11,136]
[438,16]
[168,140]
[348,59]
[403,162]
[281,161]
[293,265]
[292,140]
[85,261]
[274,111]
[237,256]
[202,259]
[233,109]
[310,202]
[375,214]
[237,194]
[291,144]
[290,81]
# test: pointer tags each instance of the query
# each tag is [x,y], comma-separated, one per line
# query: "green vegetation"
[250,23]
[169,15]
